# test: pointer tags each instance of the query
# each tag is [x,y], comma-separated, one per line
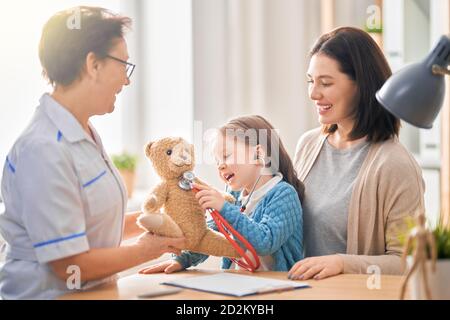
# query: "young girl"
[254,164]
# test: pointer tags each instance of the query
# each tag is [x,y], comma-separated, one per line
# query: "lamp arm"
[438,70]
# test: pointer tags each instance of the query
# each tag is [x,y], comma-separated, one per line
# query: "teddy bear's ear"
[147,149]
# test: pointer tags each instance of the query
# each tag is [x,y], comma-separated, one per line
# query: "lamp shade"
[415,93]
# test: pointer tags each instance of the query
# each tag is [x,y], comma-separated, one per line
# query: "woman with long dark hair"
[360,181]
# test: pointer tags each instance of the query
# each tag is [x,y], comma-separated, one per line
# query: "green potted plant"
[438,281]
[126,164]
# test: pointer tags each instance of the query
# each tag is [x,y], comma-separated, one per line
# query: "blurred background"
[201,62]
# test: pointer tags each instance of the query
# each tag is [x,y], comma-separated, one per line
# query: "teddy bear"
[181,214]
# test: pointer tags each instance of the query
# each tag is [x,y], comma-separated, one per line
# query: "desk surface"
[345,286]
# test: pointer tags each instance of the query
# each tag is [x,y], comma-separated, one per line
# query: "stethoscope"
[186,183]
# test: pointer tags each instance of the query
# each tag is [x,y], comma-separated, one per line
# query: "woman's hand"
[153,246]
[317,268]
[209,197]
[165,266]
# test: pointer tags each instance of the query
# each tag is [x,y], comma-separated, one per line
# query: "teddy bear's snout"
[182,159]
[186,158]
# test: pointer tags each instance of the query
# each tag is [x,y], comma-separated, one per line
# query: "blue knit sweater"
[274,228]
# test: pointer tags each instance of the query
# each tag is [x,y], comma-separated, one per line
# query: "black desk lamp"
[416,92]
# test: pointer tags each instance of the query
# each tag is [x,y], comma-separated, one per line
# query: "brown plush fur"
[181,214]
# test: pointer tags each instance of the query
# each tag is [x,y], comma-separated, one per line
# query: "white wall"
[351,12]
[161,100]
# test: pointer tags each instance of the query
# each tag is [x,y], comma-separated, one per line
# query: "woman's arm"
[100,263]
[131,228]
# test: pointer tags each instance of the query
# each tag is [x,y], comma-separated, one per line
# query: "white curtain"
[250,57]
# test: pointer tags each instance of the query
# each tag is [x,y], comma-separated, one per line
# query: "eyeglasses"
[130,66]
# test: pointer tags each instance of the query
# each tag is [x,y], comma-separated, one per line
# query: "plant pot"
[128,177]
[439,281]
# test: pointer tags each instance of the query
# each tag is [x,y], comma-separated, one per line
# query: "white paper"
[235,284]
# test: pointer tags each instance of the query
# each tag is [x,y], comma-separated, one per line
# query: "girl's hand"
[165,266]
[209,197]
[317,268]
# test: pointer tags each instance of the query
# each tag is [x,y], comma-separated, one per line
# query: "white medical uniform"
[63,196]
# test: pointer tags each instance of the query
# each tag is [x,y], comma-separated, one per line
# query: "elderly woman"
[360,181]
[64,199]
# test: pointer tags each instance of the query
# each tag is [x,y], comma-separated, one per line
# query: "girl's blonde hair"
[274,147]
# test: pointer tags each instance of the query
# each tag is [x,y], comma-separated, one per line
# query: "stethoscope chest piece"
[186,180]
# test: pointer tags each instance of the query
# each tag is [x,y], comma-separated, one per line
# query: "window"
[22,84]
[160,44]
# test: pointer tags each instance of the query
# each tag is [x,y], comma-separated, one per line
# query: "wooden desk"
[348,286]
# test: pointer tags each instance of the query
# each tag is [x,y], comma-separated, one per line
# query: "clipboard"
[236,285]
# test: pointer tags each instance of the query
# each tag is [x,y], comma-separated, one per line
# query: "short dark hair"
[63,49]
[359,56]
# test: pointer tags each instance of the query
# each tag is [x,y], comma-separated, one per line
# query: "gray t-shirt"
[328,188]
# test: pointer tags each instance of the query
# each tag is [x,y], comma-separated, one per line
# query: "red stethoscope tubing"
[227,230]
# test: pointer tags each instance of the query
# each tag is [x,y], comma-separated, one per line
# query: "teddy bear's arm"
[159,223]
[156,198]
